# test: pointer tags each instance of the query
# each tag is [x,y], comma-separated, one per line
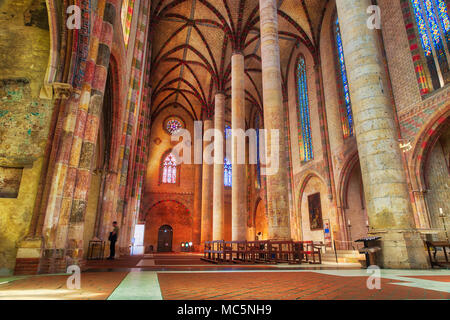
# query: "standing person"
[113,239]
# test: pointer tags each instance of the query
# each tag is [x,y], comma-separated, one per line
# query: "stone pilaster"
[274,113]
[238,204]
[388,203]
[218,198]
[207,193]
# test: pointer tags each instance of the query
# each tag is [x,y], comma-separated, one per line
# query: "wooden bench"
[280,251]
[270,252]
[214,251]
[309,252]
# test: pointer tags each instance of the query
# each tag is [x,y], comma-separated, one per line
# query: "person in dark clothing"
[113,239]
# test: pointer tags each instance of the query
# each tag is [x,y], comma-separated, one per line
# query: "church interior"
[342,108]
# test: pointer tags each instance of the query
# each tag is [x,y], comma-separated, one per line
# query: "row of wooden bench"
[292,252]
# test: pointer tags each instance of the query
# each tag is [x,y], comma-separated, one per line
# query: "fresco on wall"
[10,182]
[23,123]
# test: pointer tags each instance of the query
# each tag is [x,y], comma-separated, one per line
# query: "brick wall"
[438,183]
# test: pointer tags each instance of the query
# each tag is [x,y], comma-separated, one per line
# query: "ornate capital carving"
[62,90]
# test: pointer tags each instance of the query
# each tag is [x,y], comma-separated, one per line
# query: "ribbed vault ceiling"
[193,40]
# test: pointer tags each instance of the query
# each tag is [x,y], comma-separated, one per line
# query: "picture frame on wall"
[315,212]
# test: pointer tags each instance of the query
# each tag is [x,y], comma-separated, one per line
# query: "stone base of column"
[401,249]
[28,257]
[58,260]
[26,266]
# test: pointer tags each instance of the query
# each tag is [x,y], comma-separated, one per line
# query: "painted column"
[207,193]
[238,188]
[388,202]
[85,144]
[134,106]
[60,203]
[218,198]
[274,113]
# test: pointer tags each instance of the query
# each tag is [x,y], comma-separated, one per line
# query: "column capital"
[237,52]
[220,92]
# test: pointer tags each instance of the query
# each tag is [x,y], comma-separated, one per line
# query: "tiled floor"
[186,277]
[94,286]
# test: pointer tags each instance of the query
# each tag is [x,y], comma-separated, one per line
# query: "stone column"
[388,202]
[197,216]
[218,197]
[274,113]
[238,188]
[207,193]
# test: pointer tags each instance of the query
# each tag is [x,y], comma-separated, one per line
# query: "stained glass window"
[227,171]
[304,120]
[173,125]
[169,174]
[345,103]
[227,132]
[227,167]
[433,26]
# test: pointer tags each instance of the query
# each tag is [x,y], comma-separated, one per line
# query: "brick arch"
[418,160]
[172,213]
[252,215]
[162,201]
[304,182]
[116,81]
[180,199]
[344,178]
[424,143]
[54,19]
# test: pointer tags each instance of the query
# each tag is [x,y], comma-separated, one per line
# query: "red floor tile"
[283,286]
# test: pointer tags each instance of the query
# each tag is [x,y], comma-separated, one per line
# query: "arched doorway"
[261,223]
[165,237]
[437,179]
[168,213]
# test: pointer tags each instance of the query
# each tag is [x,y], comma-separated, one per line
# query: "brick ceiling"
[193,40]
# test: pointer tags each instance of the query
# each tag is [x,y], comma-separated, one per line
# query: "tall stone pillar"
[218,197]
[388,203]
[197,216]
[238,188]
[274,113]
[207,193]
